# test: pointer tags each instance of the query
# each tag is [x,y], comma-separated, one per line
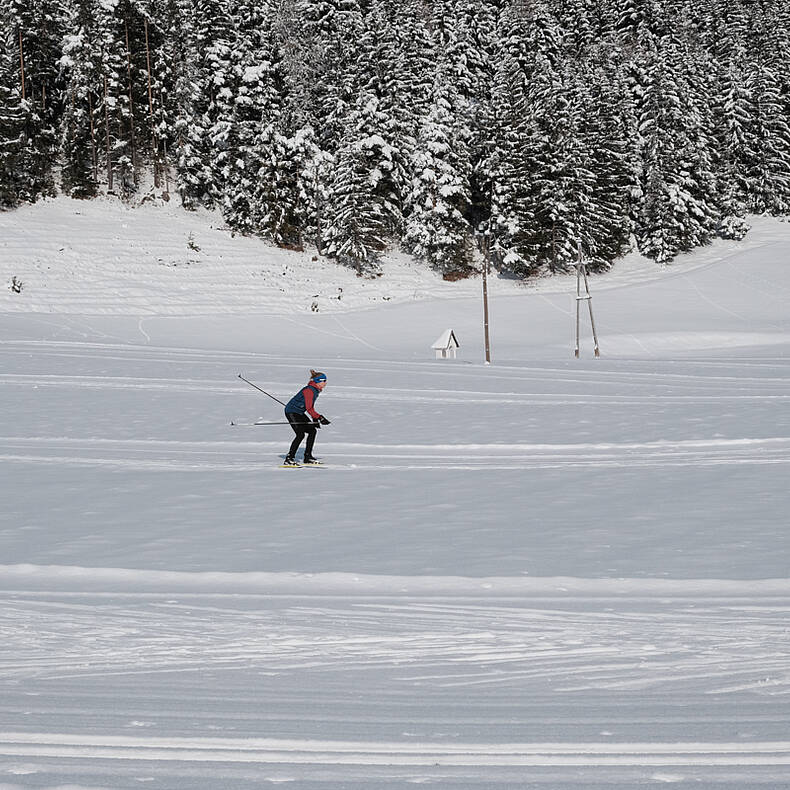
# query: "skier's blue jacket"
[303,401]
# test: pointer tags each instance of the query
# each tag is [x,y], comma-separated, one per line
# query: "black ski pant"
[303,426]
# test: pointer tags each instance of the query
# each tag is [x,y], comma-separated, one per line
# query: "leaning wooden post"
[581,274]
[589,306]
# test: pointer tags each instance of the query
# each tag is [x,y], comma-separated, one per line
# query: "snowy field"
[546,572]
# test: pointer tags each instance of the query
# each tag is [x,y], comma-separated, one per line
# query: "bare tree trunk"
[22,63]
[154,141]
[164,157]
[94,153]
[131,103]
[107,136]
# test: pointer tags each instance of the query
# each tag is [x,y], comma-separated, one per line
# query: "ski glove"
[323,420]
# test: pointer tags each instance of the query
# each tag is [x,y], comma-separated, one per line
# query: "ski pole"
[237,424]
[252,424]
[263,391]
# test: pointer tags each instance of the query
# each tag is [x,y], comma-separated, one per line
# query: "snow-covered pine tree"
[34,30]
[12,115]
[255,106]
[133,23]
[161,71]
[355,223]
[79,133]
[607,127]
[331,30]
[676,211]
[12,111]
[471,51]
[114,111]
[436,228]
[415,46]
[724,35]
[507,170]
[562,186]
[542,191]
[639,20]
[583,25]
[281,197]
[767,81]
[316,191]
[180,137]
[382,71]
[204,88]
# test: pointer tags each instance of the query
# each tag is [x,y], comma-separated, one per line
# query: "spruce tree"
[767,81]
[205,100]
[34,31]
[255,115]
[331,30]
[677,208]
[12,117]
[355,225]
[436,229]
[79,136]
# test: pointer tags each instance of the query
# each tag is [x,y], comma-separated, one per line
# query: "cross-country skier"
[296,412]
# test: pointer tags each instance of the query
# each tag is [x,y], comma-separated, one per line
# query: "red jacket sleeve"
[309,400]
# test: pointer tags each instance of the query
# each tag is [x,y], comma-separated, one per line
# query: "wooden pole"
[131,103]
[22,63]
[107,136]
[578,299]
[154,143]
[94,151]
[589,305]
[581,273]
[166,194]
[486,242]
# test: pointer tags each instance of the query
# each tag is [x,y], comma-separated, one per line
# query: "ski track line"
[204,456]
[417,466]
[126,353]
[755,389]
[496,449]
[749,595]
[315,752]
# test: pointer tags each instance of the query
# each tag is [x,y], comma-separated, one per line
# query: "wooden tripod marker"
[581,274]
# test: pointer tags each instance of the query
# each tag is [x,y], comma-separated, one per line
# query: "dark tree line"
[547,125]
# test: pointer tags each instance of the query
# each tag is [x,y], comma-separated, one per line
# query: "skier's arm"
[309,400]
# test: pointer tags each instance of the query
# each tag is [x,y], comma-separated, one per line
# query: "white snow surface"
[544,572]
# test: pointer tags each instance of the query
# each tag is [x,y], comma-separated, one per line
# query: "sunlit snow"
[547,571]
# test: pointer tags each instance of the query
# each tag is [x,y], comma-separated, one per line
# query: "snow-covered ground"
[543,572]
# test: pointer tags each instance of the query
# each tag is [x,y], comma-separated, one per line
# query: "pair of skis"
[298,465]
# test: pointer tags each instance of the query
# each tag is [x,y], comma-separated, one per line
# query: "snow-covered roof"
[447,340]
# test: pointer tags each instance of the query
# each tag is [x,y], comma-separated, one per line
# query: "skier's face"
[320,385]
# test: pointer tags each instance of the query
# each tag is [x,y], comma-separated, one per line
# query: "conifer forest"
[534,129]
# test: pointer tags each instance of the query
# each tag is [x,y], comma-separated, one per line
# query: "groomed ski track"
[423,679]
[538,574]
[259,456]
